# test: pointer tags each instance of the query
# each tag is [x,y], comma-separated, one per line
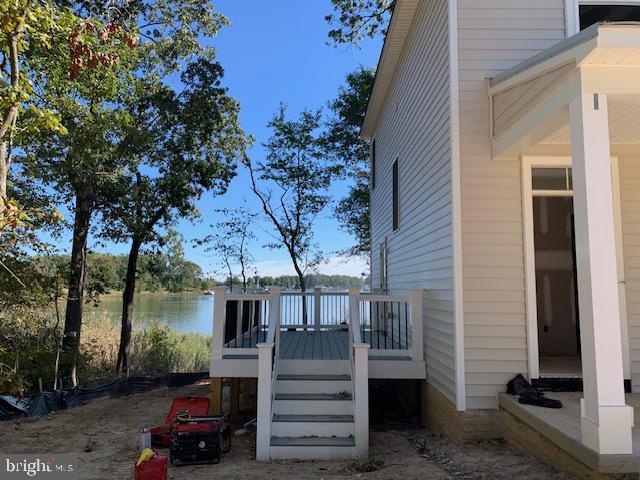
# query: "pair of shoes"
[528,395]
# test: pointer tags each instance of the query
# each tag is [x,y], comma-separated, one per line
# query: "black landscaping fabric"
[52,400]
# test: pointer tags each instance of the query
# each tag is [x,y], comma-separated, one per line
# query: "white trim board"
[529,162]
[454,118]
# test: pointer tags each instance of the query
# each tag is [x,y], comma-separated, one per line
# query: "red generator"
[195,406]
[199,440]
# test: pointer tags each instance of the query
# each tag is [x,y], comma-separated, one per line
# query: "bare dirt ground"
[104,435]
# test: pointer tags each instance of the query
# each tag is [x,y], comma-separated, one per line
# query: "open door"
[553,316]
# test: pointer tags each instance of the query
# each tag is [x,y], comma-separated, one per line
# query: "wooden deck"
[329,345]
[308,345]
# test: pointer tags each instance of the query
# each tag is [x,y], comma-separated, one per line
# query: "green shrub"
[29,340]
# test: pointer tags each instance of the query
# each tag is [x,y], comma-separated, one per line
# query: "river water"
[183,312]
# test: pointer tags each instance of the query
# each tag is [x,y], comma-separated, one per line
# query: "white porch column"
[606,420]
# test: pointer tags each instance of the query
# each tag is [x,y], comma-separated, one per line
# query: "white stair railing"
[267,376]
[359,356]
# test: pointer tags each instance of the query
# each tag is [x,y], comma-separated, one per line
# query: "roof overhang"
[529,103]
[397,33]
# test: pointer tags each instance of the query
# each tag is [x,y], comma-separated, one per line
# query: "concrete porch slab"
[562,427]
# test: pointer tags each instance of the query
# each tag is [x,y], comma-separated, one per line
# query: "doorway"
[553,326]
[556,284]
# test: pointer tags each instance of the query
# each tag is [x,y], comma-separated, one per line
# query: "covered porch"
[561,428]
[580,99]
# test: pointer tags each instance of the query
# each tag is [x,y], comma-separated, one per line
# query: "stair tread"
[311,396]
[314,418]
[334,378]
[312,442]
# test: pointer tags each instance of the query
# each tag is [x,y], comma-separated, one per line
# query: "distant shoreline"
[150,294]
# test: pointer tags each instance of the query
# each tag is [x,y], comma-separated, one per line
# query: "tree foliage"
[30,30]
[118,120]
[354,20]
[350,152]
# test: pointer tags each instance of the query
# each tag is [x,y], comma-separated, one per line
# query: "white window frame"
[572,11]
[528,163]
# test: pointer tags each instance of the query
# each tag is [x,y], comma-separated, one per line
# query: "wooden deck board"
[312,345]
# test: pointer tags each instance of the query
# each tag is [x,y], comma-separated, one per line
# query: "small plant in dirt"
[369,466]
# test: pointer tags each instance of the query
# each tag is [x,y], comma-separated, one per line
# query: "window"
[373,164]
[551,178]
[383,265]
[396,196]
[592,12]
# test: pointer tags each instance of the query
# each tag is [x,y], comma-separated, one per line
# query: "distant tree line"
[171,272]
[156,272]
[312,281]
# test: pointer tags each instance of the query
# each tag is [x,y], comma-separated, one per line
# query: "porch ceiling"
[529,103]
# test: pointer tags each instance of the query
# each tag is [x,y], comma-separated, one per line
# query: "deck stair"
[313,413]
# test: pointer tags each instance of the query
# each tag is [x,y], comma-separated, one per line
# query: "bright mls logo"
[51,467]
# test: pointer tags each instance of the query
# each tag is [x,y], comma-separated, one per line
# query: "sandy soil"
[103,433]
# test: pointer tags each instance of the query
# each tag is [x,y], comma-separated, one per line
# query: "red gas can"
[154,469]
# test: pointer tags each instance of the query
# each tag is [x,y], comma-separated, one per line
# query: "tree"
[84,165]
[85,92]
[231,241]
[179,145]
[355,20]
[343,143]
[291,186]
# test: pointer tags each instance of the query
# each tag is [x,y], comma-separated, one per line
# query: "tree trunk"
[303,287]
[124,351]
[75,296]
[4,172]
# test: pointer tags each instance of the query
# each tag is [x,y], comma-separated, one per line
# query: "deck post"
[218,322]
[263,428]
[234,397]
[274,313]
[417,295]
[354,319]
[606,419]
[316,308]
[215,408]
[361,399]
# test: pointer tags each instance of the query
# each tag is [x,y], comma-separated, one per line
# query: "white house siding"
[630,200]
[493,36]
[414,127]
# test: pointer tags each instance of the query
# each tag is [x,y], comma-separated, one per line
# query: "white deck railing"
[390,324]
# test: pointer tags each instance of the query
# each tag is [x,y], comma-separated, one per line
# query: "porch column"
[606,420]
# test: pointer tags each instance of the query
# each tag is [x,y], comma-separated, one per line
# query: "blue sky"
[276,52]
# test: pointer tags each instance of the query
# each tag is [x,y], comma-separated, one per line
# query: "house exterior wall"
[415,128]
[629,166]
[493,36]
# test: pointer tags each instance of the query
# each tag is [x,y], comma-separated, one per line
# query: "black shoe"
[528,395]
[518,385]
[538,399]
